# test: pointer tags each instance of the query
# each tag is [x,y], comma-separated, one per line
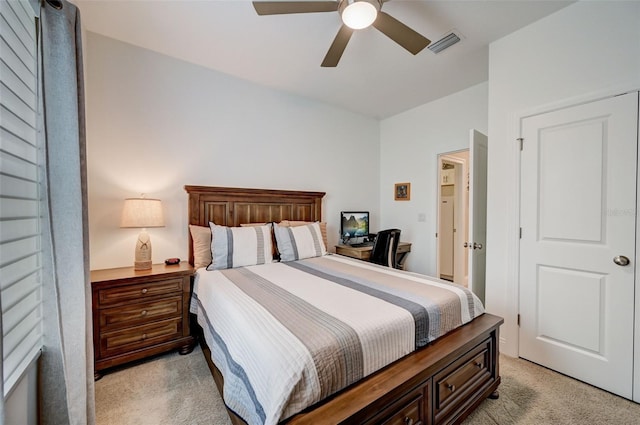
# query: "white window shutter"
[20,235]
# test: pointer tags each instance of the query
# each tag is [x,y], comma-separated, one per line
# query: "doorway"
[469,196]
[453,216]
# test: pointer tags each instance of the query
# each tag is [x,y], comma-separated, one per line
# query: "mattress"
[287,335]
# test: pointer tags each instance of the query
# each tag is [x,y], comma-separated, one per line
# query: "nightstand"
[137,314]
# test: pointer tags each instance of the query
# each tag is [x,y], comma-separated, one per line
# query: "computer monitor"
[354,224]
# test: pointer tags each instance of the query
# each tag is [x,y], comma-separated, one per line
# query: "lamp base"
[142,265]
[142,260]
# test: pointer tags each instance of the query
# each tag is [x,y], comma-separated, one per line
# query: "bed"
[422,364]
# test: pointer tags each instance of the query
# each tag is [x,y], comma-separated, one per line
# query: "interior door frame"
[636,339]
[509,339]
[449,157]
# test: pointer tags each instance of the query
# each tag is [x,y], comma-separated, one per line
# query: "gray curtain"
[66,364]
[1,373]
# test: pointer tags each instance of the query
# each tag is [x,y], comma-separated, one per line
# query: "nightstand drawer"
[140,313]
[126,340]
[140,291]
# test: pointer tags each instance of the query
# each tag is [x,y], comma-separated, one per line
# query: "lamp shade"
[142,212]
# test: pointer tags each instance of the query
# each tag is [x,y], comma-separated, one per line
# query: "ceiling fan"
[355,14]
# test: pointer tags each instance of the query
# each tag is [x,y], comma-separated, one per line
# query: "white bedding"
[287,335]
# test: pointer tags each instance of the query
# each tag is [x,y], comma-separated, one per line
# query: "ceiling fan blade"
[400,33]
[283,7]
[337,47]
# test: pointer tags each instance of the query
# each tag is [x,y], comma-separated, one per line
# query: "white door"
[578,194]
[478,212]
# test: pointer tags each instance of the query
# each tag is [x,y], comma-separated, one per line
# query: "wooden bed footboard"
[438,384]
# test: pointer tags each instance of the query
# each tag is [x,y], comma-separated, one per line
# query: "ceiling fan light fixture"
[359,14]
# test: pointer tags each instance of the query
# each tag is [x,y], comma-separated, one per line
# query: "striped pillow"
[297,243]
[274,245]
[240,246]
[323,227]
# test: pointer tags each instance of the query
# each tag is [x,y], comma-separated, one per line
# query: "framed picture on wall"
[402,192]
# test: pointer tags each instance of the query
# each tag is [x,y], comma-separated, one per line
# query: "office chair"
[385,247]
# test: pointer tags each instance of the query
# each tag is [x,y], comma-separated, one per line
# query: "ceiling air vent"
[444,43]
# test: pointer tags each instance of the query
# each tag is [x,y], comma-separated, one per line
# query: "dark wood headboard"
[229,206]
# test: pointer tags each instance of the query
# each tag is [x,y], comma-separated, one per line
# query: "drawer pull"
[451,387]
[408,420]
[479,364]
[144,336]
[144,290]
[143,313]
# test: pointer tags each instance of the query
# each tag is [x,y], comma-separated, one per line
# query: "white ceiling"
[375,77]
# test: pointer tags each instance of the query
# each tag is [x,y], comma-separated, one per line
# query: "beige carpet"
[533,395]
[178,390]
[166,390]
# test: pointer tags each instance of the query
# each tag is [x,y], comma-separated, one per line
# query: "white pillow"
[240,246]
[297,243]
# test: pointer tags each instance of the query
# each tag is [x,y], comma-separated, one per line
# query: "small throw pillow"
[299,242]
[201,237]
[240,246]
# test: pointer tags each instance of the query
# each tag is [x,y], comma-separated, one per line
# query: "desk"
[364,252]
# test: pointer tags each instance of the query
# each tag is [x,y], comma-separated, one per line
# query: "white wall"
[21,404]
[155,124]
[580,53]
[409,146]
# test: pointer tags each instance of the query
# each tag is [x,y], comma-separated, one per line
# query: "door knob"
[465,244]
[621,260]
[477,246]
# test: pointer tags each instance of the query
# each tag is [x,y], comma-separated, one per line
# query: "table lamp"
[142,212]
